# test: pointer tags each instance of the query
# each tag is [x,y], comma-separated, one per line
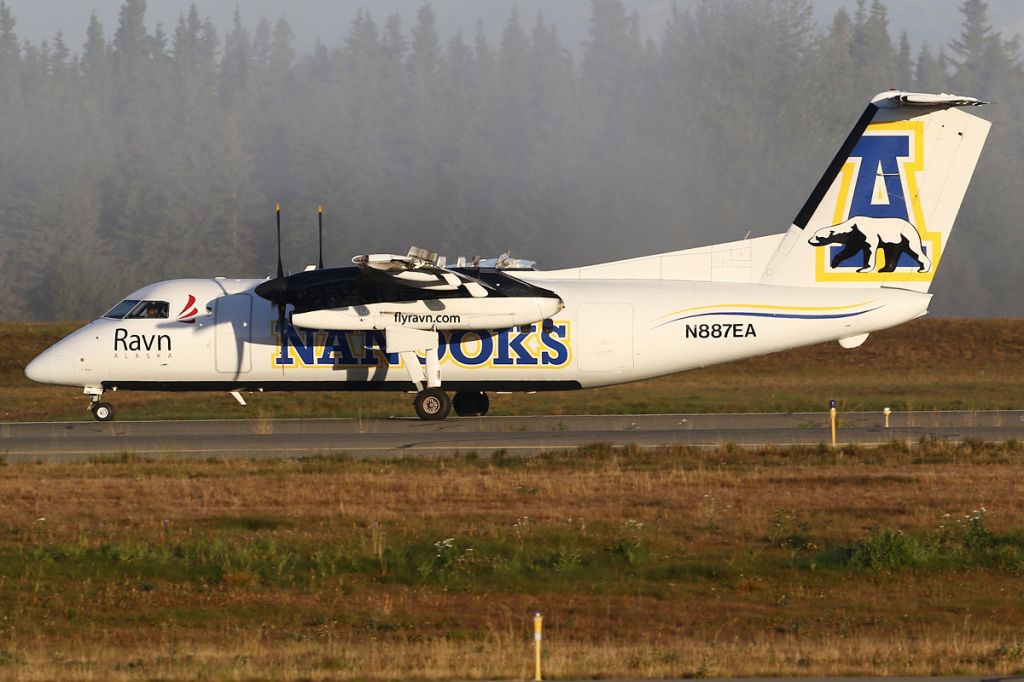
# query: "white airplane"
[859,257]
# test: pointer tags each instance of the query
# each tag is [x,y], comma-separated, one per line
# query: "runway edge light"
[832,419]
[538,623]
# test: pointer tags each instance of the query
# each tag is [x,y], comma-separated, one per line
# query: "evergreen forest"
[134,153]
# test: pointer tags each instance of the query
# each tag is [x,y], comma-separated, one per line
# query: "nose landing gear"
[101,411]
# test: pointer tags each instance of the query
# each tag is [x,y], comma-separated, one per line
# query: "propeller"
[277,290]
[278,286]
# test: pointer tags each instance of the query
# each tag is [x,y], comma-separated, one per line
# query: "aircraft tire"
[103,412]
[471,403]
[432,404]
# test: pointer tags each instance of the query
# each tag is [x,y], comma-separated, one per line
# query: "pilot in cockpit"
[155,310]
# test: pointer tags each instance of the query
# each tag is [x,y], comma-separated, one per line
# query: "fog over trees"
[131,155]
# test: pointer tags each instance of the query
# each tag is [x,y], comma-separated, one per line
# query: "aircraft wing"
[421,270]
[376,279]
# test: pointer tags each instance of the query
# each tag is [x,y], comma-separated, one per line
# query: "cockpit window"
[149,310]
[129,309]
[121,309]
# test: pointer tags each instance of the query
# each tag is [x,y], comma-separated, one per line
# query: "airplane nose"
[50,367]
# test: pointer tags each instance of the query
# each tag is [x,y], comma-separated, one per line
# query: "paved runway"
[485,435]
[990,678]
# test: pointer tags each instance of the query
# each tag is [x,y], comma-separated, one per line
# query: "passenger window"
[121,309]
[148,310]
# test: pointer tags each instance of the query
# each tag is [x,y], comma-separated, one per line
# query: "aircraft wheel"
[103,412]
[432,404]
[471,403]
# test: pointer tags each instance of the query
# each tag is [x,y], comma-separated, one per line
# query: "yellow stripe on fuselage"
[764,306]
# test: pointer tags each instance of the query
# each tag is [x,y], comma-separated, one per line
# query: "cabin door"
[605,337]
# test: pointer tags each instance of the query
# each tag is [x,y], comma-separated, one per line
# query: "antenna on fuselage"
[320,218]
[280,266]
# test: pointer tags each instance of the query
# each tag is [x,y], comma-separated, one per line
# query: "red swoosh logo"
[188,317]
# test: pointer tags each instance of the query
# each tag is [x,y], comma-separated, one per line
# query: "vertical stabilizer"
[882,213]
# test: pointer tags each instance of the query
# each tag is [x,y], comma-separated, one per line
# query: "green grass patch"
[480,563]
[963,543]
[607,558]
[250,523]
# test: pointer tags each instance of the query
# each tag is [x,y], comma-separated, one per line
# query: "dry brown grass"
[259,656]
[755,608]
[73,497]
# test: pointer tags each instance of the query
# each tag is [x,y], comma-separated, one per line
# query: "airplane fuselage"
[609,332]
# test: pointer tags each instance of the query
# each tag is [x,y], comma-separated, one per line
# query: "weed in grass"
[1013,653]
[965,542]
[888,550]
[787,531]
[974,534]
[9,658]
[251,523]
[709,511]
[631,550]
[567,559]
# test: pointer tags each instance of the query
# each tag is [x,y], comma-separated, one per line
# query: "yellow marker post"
[886,411]
[538,621]
[832,417]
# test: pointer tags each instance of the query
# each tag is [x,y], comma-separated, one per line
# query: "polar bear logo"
[862,234]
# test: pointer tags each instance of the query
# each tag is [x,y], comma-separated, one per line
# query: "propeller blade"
[320,215]
[280,266]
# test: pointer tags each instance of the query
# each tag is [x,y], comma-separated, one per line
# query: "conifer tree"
[236,62]
[169,147]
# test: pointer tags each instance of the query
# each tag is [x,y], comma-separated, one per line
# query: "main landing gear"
[433,403]
[471,403]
